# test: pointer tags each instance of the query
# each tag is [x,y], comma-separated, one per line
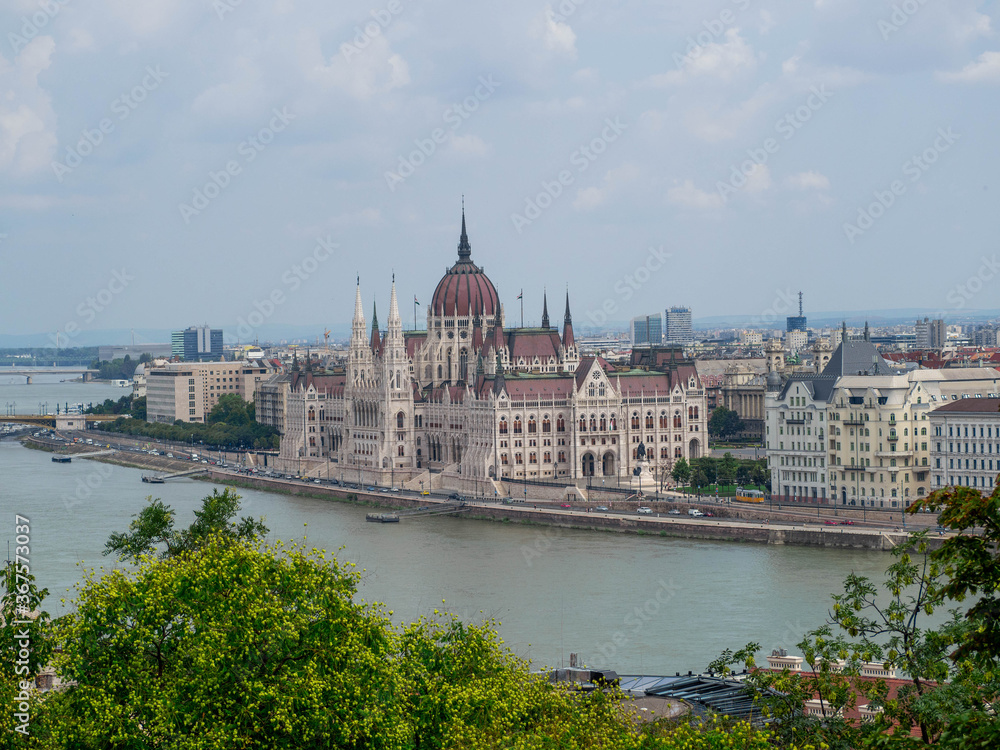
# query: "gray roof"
[857,358]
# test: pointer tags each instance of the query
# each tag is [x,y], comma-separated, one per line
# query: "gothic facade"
[471,398]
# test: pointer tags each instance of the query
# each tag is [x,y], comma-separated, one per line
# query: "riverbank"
[739,524]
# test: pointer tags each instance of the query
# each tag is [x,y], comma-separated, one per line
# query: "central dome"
[465,290]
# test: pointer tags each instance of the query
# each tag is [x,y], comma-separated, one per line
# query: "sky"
[242,163]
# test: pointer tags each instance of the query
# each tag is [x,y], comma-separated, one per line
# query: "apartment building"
[965,445]
[187,391]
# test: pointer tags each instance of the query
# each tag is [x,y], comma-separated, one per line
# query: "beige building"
[187,391]
[271,400]
[965,448]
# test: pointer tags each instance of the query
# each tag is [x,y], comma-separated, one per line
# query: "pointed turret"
[498,380]
[358,323]
[545,310]
[376,339]
[497,337]
[477,331]
[567,335]
[464,248]
[867,334]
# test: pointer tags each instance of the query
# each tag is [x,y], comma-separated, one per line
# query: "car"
[829,523]
[395,489]
[710,514]
[601,508]
[425,492]
[673,512]
[370,489]
[454,496]
[644,510]
[565,505]
[170,455]
[316,481]
[204,461]
[847,523]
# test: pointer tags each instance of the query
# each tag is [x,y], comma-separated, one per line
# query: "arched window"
[427,372]
[532,425]
[312,415]
[400,417]
[439,372]
[635,420]
[517,425]
[677,452]
[604,423]
[560,424]
[677,420]
[546,424]
[663,420]
[593,423]
[400,451]
[583,424]
[649,420]
[503,425]
[591,390]
[614,422]
[600,389]
[664,453]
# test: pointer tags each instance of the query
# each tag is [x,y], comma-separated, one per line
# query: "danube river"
[632,603]
[49,389]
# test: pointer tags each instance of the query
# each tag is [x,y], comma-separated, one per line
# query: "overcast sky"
[169,163]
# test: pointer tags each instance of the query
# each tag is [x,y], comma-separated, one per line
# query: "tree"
[698,478]
[744,474]
[230,410]
[154,526]
[727,469]
[139,408]
[709,467]
[681,471]
[724,423]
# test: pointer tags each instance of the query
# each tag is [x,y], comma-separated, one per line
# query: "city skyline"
[225,158]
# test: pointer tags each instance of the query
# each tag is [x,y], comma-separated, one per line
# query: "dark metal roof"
[857,358]
[724,696]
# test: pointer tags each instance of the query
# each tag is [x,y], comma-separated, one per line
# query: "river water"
[632,603]
[47,390]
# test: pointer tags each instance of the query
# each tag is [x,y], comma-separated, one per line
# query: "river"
[48,389]
[632,603]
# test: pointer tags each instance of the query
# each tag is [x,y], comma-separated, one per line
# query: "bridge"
[30,372]
[49,420]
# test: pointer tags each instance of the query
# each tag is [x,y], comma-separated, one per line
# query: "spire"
[394,305]
[477,329]
[464,248]
[545,310]
[376,339]
[497,332]
[498,381]
[568,339]
[867,334]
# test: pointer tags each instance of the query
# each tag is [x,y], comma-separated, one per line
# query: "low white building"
[965,446]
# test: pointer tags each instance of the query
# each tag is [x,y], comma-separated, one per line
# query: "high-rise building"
[796,322]
[197,343]
[646,330]
[931,334]
[678,326]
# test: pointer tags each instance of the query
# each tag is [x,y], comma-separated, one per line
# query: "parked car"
[847,523]
[316,481]
[601,508]
[395,489]
[695,513]
[829,523]
[673,512]
[709,515]
[644,510]
[565,505]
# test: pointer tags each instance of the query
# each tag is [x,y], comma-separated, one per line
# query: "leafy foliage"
[724,423]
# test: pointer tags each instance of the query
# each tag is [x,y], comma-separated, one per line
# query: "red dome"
[465,290]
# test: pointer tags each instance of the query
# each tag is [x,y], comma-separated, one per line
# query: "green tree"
[152,529]
[698,477]
[727,469]
[724,423]
[139,408]
[709,467]
[230,410]
[681,471]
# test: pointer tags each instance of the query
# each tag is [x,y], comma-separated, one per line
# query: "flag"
[520,295]
[415,301]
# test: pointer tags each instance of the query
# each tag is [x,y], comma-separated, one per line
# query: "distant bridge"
[30,372]
[49,420]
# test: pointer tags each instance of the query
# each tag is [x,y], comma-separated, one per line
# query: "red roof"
[533,343]
[465,290]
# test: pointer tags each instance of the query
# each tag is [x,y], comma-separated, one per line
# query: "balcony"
[893,454]
[795,421]
[892,438]
[854,421]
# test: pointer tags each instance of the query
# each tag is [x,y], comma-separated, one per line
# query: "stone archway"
[694,449]
[608,468]
[588,464]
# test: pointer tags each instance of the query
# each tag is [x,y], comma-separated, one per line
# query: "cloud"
[721,61]
[688,196]
[614,179]
[469,145]
[759,179]
[27,121]
[985,69]
[808,181]
[557,36]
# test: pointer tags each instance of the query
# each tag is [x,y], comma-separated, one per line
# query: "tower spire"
[464,248]
[568,338]
[545,310]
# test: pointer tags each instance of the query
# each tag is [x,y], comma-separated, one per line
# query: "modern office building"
[931,334]
[188,391]
[677,330]
[646,330]
[796,322]
[196,344]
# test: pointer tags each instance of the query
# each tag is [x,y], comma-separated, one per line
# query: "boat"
[382,518]
[152,480]
[62,459]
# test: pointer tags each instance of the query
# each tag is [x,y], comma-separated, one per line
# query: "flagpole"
[521,297]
